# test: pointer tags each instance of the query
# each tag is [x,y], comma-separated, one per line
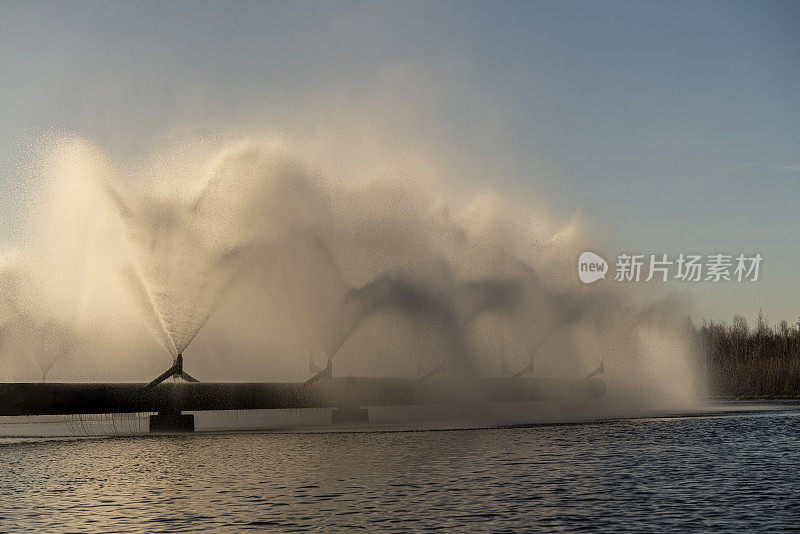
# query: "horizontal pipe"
[73,398]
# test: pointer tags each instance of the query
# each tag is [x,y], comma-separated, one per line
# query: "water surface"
[734,471]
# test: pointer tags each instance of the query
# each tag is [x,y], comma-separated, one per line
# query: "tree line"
[758,361]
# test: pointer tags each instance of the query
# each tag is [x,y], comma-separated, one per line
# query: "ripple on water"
[735,471]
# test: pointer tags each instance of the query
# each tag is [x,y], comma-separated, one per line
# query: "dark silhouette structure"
[348,397]
[175,370]
[170,419]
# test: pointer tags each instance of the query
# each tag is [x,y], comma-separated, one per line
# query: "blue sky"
[677,124]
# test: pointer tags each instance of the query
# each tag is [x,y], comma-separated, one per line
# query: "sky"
[675,125]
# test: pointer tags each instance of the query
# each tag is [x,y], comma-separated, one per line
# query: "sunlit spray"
[262,262]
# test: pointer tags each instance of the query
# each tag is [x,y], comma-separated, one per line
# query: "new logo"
[591,267]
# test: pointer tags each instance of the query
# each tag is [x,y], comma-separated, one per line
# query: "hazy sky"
[677,124]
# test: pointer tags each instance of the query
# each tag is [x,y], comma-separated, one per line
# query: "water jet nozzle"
[600,370]
[322,374]
[175,370]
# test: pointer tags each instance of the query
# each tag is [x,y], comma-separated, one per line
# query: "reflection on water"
[736,471]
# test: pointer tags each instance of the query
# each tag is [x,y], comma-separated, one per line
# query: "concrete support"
[171,423]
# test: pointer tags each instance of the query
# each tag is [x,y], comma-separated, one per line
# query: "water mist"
[253,259]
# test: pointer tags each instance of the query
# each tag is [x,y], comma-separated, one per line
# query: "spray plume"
[266,261]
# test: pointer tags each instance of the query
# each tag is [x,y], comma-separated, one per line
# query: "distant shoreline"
[744,363]
[753,398]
